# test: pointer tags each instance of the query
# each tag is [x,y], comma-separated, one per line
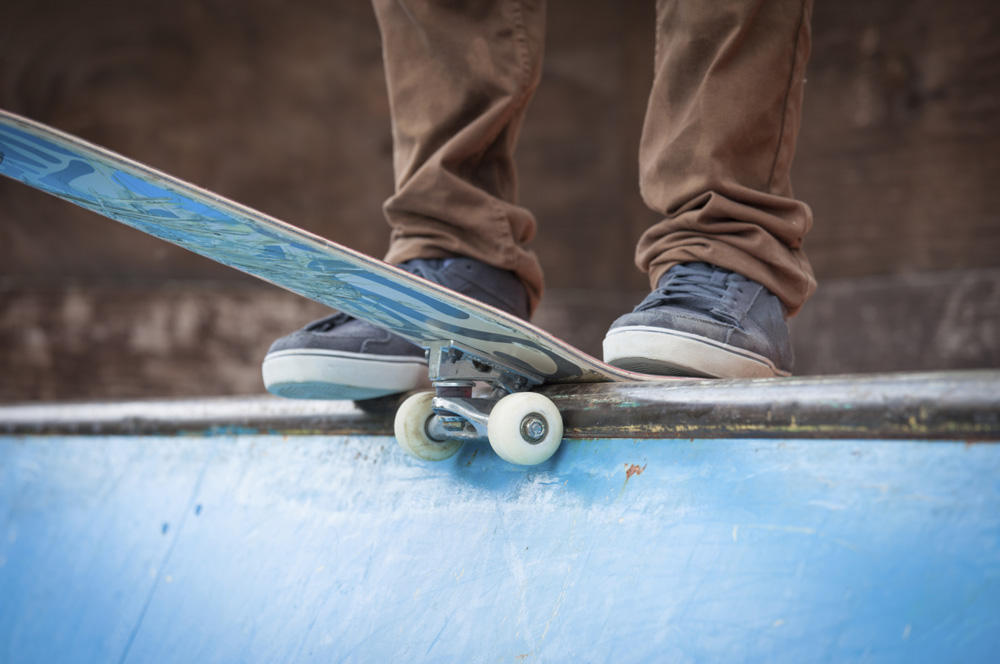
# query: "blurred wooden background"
[282,106]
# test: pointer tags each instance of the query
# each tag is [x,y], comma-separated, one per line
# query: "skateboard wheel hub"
[533,428]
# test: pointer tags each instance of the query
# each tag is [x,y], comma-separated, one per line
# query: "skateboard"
[467,342]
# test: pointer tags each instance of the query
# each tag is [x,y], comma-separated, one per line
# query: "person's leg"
[459,76]
[715,158]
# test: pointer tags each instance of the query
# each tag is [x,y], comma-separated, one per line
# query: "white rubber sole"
[323,374]
[661,351]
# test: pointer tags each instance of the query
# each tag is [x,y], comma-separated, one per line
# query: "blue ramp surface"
[271,548]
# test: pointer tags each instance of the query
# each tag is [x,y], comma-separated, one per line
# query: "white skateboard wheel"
[410,426]
[525,428]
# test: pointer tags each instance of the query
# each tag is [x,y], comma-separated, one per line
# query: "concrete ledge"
[259,414]
[955,406]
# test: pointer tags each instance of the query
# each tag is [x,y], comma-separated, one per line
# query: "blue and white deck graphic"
[168,208]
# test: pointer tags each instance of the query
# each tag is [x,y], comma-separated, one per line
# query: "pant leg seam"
[788,92]
[518,94]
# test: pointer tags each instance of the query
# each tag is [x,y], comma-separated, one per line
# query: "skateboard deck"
[208,224]
[448,324]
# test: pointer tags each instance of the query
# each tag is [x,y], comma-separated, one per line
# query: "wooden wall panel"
[899,153]
[282,106]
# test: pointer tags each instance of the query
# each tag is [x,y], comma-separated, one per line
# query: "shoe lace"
[330,322]
[693,286]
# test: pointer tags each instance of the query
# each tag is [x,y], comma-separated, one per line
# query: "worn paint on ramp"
[276,548]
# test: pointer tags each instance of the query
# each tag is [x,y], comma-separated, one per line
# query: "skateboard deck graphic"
[468,342]
[168,208]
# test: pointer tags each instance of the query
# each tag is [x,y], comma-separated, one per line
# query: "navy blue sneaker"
[340,357]
[703,321]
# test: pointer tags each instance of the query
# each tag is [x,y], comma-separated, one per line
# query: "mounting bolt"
[534,428]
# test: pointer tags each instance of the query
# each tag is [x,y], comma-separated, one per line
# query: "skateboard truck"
[522,427]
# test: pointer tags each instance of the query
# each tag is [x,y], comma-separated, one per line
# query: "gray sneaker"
[704,321]
[340,357]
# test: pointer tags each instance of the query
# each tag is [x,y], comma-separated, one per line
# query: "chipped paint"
[633,469]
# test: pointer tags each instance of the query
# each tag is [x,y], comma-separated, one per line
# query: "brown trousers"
[715,155]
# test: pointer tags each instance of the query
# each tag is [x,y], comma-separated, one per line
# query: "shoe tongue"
[694,272]
[425,268]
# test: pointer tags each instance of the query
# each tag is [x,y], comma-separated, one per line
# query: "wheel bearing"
[534,428]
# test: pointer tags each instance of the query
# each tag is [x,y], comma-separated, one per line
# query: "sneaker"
[703,321]
[341,357]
